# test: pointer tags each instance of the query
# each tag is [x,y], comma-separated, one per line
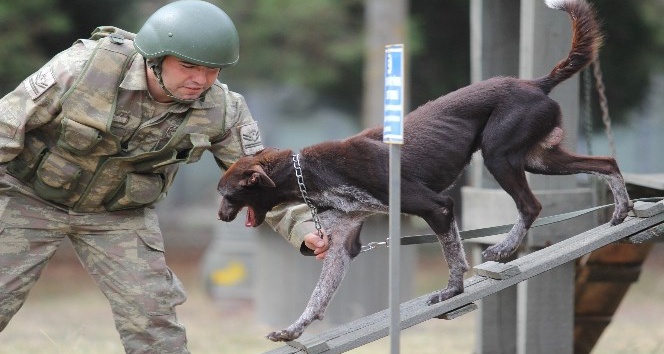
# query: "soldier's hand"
[317,244]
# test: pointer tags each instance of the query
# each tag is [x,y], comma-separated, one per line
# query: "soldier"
[93,139]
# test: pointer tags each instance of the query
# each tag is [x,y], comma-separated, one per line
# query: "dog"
[512,121]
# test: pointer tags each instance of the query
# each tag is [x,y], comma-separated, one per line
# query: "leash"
[494,230]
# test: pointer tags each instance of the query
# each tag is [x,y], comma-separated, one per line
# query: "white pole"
[393,135]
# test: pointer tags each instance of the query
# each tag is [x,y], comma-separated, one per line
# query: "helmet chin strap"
[155,66]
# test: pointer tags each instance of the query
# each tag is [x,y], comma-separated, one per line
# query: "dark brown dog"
[513,121]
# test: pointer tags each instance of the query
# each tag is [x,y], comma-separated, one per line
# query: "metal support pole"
[395,249]
[393,136]
[395,256]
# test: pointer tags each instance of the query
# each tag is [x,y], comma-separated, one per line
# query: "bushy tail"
[586,41]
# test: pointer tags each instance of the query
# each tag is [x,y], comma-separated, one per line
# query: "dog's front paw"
[284,335]
[443,295]
[497,252]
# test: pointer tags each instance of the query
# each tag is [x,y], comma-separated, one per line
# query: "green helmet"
[192,30]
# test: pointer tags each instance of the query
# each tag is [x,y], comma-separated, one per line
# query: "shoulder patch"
[251,138]
[37,83]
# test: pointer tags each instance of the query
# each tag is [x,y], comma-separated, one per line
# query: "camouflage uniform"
[84,154]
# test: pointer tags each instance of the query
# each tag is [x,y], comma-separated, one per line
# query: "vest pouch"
[23,166]
[77,138]
[56,178]
[136,190]
[200,143]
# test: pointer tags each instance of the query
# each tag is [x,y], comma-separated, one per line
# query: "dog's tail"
[586,41]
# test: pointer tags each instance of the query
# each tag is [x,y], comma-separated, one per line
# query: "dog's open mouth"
[251,218]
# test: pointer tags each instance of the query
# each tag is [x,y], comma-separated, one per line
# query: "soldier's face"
[185,80]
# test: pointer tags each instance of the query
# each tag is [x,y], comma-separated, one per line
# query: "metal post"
[393,135]
[395,255]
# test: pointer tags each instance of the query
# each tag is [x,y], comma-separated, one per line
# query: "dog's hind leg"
[439,214]
[512,179]
[335,265]
[557,161]
[456,260]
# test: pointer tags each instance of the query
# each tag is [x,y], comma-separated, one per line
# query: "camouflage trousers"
[122,251]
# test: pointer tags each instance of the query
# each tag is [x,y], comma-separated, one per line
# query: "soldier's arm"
[242,136]
[294,223]
[36,100]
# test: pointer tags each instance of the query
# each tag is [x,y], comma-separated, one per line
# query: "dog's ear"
[256,176]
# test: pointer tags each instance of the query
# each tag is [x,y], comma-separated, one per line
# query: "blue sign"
[394,86]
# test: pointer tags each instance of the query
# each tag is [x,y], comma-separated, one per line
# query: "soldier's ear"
[256,176]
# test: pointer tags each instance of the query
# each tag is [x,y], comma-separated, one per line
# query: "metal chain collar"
[305,195]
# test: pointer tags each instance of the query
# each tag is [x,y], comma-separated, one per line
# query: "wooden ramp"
[492,277]
[603,278]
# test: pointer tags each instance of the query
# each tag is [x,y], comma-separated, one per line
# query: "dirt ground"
[65,313]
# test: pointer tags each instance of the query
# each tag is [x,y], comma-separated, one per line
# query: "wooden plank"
[594,273]
[373,327]
[620,252]
[459,312]
[603,279]
[647,209]
[495,270]
[309,344]
[655,234]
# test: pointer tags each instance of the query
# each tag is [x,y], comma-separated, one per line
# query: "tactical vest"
[82,167]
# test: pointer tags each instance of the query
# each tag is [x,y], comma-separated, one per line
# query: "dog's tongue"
[251,218]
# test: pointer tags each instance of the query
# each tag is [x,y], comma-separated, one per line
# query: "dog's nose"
[227,217]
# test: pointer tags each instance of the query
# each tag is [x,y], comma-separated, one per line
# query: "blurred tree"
[319,44]
[316,43]
[626,58]
[653,12]
[21,23]
[440,60]
[32,31]
[84,16]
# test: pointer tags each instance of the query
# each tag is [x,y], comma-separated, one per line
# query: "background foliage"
[318,44]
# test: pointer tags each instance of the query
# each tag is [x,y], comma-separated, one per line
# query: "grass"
[65,313]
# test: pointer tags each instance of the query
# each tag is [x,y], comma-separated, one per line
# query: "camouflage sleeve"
[292,221]
[243,137]
[36,100]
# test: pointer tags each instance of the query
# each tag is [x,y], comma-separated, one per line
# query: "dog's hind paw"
[284,335]
[620,213]
[443,295]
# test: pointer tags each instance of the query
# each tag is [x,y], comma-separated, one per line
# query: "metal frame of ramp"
[492,277]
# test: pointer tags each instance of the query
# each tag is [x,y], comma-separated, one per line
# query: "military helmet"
[192,30]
